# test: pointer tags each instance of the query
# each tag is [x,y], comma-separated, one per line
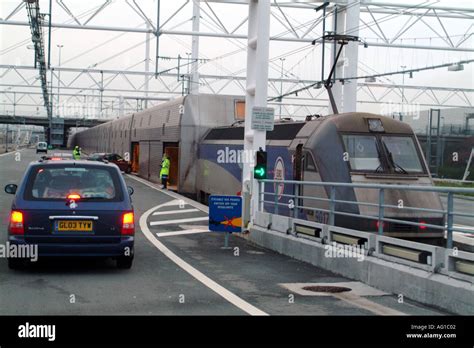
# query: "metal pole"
[6,139]
[275,199]
[403,89]
[335,43]
[256,95]
[295,211]
[194,82]
[332,206]
[323,44]
[59,78]
[352,56]
[49,35]
[281,84]
[157,34]
[450,220]
[381,210]
[147,64]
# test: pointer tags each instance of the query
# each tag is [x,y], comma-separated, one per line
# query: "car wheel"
[16,263]
[124,262]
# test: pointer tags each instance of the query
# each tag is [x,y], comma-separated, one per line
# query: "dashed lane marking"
[201,277]
[179,211]
[177,221]
[177,233]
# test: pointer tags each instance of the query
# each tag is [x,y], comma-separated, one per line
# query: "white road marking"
[178,221]
[189,201]
[177,233]
[11,152]
[174,211]
[220,290]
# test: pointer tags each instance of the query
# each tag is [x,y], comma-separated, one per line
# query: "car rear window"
[57,182]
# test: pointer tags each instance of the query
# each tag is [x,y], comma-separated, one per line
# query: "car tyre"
[124,262]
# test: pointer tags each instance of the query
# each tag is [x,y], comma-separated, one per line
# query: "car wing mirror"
[130,190]
[11,189]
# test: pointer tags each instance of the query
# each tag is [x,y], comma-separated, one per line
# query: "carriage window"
[310,166]
[403,153]
[362,152]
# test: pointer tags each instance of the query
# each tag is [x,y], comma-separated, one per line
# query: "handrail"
[381,217]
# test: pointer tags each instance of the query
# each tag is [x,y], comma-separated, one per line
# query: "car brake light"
[128,224]
[73,196]
[16,223]
[55,158]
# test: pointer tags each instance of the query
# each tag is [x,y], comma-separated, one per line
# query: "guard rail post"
[381,210]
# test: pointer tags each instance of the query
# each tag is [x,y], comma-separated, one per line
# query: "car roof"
[74,162]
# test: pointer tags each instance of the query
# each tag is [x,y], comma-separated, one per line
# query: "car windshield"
[58,182]
[362,152]
[403,152]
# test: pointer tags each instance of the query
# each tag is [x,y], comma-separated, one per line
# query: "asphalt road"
[179,269]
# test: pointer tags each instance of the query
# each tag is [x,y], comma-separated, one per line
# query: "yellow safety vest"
[165,167]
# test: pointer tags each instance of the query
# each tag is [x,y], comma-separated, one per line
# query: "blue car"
[72,208]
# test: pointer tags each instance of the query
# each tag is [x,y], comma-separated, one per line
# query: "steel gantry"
[110,89]
[36,26]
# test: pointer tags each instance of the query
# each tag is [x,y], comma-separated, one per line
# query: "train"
[203,135]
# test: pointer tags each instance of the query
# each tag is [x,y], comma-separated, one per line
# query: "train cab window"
[310,166]
[402,151]
[362,151]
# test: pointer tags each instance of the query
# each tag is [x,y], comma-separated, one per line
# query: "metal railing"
[447,214]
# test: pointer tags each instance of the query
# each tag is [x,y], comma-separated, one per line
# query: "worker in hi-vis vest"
[165,171]
[76,153]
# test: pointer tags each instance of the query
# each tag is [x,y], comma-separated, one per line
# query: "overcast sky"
[117,50]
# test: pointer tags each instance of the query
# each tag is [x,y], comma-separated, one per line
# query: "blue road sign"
[225,213]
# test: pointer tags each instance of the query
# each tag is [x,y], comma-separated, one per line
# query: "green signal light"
[260,171]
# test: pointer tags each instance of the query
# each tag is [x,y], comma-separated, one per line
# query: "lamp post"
[403,87]
[59,77]
[281,83]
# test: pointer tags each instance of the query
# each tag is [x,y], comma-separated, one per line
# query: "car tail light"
[16,223]
[128,224]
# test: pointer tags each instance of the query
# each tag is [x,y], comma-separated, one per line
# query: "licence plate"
[74,225]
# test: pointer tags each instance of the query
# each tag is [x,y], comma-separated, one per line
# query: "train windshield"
[362,151]
[402,153]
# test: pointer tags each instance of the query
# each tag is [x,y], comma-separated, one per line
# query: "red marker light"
[73,196]
[422,226]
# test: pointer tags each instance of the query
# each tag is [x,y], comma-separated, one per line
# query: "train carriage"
[207,155]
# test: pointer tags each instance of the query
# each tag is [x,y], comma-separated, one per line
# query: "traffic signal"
[260,170]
